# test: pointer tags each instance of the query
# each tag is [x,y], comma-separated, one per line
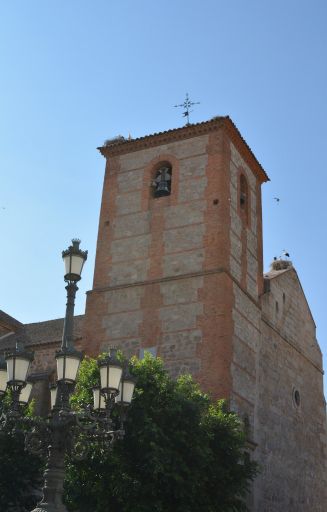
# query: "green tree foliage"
[20,472]
[180,453]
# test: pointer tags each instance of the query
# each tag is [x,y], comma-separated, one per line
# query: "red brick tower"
[180,259]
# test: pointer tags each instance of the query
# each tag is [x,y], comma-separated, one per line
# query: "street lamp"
[111,371]
[99,403]
[126,388]
[3,375]
[60,433]
[18,364]
[74,259]
[25,394]
[53,395]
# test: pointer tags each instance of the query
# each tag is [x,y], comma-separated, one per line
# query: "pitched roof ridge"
[10,320]
[271,274]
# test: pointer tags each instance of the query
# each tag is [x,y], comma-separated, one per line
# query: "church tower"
[179,256]
[179,273]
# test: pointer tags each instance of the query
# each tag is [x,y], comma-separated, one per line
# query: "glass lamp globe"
[74,259]
[18,363]
[99,403]
[53,395]
[110,372]
[25,393]
[126,389]
[68,361]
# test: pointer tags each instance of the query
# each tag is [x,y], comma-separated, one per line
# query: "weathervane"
[187,105]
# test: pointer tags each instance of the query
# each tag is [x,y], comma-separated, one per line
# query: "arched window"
[162,180]
[244,198]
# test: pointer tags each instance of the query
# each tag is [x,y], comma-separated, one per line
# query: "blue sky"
[73,73]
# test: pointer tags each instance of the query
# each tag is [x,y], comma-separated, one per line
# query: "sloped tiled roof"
[38,333]
[8,322]
[51,330]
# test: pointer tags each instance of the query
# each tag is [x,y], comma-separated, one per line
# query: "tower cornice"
[122,146]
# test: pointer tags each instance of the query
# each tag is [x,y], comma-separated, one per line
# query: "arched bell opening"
[162,179]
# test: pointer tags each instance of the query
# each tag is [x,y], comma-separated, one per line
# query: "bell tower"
[179,273]
[179,255]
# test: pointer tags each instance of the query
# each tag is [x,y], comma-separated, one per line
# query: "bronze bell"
[162,182]
[162,189]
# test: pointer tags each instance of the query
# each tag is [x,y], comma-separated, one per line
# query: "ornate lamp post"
[61,432]
[68,361]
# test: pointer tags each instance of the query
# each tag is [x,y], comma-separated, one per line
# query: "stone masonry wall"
[159,276]
[288,313]
[245,235]
[245,260]
[182,275]
[246,317]
[291,434]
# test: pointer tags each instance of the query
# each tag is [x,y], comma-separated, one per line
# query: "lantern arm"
[86,419]
[12,418]
[59,431]
[96,426]
[93,420]
[35,430]
[81,429]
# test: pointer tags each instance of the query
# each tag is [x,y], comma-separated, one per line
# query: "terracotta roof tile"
[37,333]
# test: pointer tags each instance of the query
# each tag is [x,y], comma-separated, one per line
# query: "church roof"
[40,333]
[120,145]
[277,271]
[50,331]
[9,323]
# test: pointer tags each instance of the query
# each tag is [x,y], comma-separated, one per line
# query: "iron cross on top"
[186,106]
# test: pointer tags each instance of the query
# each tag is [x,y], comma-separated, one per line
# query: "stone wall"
[159,268]
[245,260]
[182,275]
[246,341]
[246,227]
[290,425]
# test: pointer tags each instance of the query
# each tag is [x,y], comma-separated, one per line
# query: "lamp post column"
[54,476]
[68,360]
[67,337]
